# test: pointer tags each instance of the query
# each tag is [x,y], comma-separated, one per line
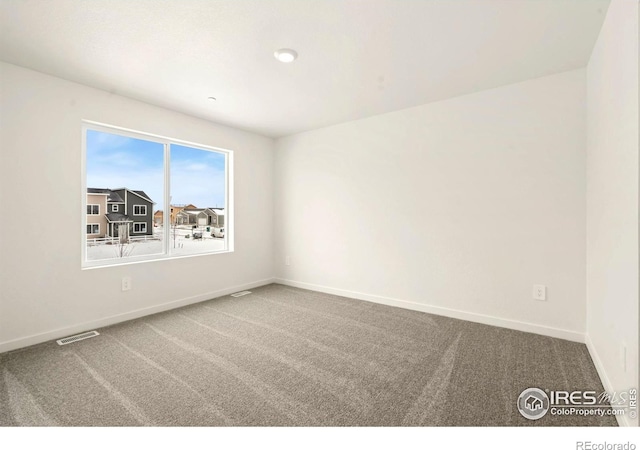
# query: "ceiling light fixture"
[285,55]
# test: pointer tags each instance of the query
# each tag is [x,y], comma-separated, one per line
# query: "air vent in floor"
[241,293]
[77,337]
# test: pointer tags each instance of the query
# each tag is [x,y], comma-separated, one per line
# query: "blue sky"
[197,176]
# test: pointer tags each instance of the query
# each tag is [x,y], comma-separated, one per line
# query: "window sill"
[103,263]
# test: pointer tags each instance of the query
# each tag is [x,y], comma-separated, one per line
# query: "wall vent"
[77,337]
[241,293]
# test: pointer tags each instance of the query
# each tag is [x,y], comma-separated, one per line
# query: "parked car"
[218,232]
[197,235]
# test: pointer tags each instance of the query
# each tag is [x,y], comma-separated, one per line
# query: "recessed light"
[285,55]
[213,99]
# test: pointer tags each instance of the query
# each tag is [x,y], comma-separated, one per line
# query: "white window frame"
[93,225]
[165,202]
[139,206]
[92,213]
[144,224]
[115,208]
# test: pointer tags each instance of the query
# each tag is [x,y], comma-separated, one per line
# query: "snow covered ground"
[178,247]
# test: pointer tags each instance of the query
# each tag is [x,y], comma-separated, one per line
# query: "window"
[143,171]
[139,227]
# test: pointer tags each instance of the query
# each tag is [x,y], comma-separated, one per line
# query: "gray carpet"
[286,356]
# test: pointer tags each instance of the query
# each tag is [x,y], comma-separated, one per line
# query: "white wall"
[44,293]
[612,196]
[462,204]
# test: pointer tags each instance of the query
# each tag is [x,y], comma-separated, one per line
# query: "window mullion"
[166,215]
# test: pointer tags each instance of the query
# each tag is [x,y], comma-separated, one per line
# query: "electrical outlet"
[539,292]
[287,260]
[126,283]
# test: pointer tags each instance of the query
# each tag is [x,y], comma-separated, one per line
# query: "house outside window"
[139,227]
[115,208]
[93,228]
[93,210]
[139,210]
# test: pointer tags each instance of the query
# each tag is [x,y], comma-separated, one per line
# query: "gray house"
[126,207]
[215,217]
[201,217]
[192,216]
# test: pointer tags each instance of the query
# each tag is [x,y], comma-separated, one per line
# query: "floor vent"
[77,337]
[241,293]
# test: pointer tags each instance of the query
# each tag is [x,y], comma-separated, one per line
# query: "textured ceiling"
[357,57]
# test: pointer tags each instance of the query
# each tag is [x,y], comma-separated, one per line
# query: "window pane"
[198,196]
[127,174]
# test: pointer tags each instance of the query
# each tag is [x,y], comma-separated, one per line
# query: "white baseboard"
[623,421]
[569,335]
[106,321]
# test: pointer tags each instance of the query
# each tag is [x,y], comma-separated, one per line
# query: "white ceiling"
[357,57]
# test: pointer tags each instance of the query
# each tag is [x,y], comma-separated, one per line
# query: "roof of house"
[142,194]
[117,217]
[192,211]
[113,197]
[218,211]
[97,191]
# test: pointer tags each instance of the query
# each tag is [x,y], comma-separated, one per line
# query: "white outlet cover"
[539,292]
